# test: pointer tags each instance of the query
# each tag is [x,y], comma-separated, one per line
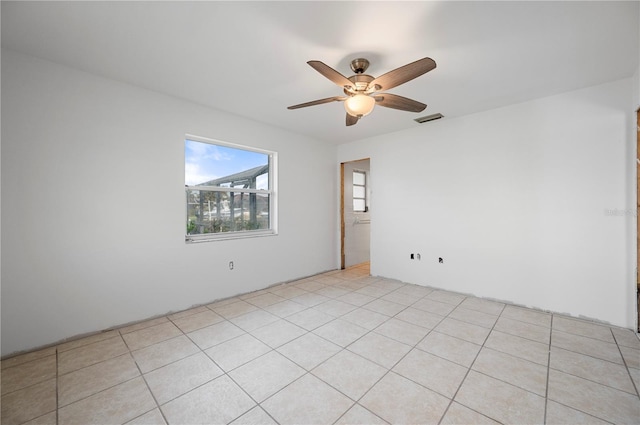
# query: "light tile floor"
[338,348]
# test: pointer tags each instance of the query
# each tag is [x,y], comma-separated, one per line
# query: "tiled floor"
[338,348]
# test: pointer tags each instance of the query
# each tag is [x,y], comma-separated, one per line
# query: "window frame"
[364,187]
[271,192]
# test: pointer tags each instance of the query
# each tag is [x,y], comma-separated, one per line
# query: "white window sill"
[212,237]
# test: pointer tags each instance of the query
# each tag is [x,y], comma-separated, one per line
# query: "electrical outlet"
[411,256]
[231,265]
[440,260]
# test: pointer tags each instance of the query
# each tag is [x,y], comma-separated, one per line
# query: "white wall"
[633,156]
[514,200]
[93,206]
[632,194]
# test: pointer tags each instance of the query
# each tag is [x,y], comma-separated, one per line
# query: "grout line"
[596,418]
[116,335]
[586,336]
[98,392]
[97,363]
[581,377]
[6,368]
[202,351]
[57,395]
[590,356]
[308,372]
[546,391]
[33,384]
[389,369]
[152,395]
[513,333]
[451,401]
[257,404]
[144,379]
[624,361]
[595,382]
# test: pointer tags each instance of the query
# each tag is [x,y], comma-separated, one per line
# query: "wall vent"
[429,118]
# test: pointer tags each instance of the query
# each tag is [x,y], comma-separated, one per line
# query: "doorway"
[355,216]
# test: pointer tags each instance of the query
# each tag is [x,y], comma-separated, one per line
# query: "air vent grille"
[429,118]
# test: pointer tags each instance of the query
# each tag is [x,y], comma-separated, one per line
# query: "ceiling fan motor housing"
[359,65]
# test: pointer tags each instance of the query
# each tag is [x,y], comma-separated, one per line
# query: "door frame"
[342,205]
[638,219]
[342,254]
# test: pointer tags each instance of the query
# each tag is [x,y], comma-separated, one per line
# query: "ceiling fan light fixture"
[359,105]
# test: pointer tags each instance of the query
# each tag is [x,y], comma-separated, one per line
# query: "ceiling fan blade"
[331,74]
[317,102]
[398,102]
[403,74]
[351,120]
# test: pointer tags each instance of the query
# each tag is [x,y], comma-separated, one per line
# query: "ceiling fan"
[363,92]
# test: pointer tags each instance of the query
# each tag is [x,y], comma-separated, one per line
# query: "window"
[229,190]
[360,191]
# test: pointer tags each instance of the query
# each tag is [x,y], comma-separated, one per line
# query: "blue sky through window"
[204,162]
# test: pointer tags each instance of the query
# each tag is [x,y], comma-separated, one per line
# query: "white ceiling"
[249,58]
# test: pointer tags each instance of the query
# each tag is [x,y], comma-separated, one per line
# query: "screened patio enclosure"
[228,204]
